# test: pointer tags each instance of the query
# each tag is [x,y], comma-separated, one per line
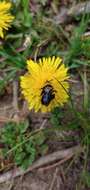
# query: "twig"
[79,9]
[62,154]
[54,179]
[86,95]
[6,119]
[11,185]
[15,95]
[66,15]
[72,81]
[6,107]
[62,174]
[43,123]
[57,163]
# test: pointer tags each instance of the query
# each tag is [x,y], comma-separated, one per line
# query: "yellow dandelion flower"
[5,17]
[45,84]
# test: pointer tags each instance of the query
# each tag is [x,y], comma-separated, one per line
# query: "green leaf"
[18,157]
[86,178]
[29,146]
[24,126]
[29,160]
[28,20]
[39,138]
[43,149]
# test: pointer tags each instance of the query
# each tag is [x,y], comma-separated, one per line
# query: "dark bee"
[47,94]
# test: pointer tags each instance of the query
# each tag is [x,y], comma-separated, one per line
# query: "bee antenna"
[62,86]
[68,95]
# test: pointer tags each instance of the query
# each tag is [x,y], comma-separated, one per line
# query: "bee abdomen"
[46,99]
